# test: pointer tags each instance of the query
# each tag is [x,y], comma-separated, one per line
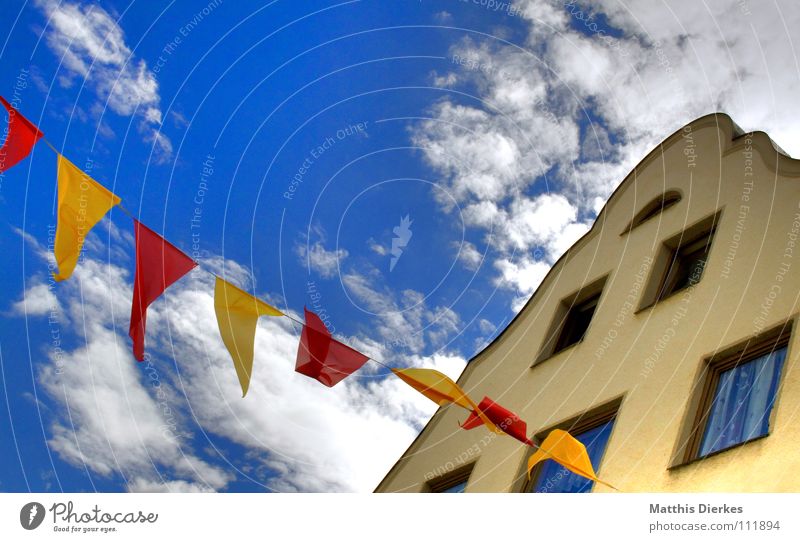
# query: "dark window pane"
[687,265]
[742,403]
[553,478]
[577,322]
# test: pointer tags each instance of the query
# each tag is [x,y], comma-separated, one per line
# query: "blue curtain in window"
[553,478]
[742,402]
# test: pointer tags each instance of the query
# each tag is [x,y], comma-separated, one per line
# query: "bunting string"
[82,202]
[201,267]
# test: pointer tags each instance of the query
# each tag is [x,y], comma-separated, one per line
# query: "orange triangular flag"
[440,389]
[568,452]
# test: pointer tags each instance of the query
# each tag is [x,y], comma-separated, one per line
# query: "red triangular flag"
[322,357]
[506,420]
[158,264]
[22,136]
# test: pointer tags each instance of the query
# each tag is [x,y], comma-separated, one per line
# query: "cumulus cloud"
[156,426]
[37,300]
[321,260]
[403,319]
[468,255]
[522,275]
[91,45]
[555,126]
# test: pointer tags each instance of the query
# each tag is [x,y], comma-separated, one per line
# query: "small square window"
[572,319]
[577,322]
[680,262]
[738,396]
[687,264]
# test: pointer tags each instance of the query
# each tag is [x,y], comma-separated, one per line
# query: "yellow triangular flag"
[440,389]
[237,315]
[82,202]
[568,452]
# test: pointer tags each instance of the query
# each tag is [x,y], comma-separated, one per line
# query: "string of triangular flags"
[82,202]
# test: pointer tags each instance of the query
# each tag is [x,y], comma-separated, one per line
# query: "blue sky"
[281,147]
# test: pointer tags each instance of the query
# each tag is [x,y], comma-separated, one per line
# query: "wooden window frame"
[682,252]
[577,425]
[667,257]
[570,318]
[450,479]
[713,367]
[592,292]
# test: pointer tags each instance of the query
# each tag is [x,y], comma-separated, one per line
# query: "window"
[572,318]
[688,262]
[593,431]
[742,403]
[456,488]
[738,397]
[681,261]
[577,322]
[655,207]
[452,482]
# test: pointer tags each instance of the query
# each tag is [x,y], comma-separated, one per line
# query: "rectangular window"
[687,264]
[680,261]
[593,431]
[576,323]
[572,318]
[736,400]
[742,402]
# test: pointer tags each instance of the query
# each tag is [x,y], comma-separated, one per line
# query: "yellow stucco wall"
[715,168]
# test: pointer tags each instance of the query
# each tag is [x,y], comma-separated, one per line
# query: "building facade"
[665,339]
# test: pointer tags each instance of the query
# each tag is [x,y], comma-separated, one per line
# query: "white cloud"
[523,276]
[317,258]
[446,325]
[37,300]
[140,485]
[91,45]
[537,221]
[377,247]
[119,421]
[468,255]
[401,320]
[400,317]
[566,118]
[297,434]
